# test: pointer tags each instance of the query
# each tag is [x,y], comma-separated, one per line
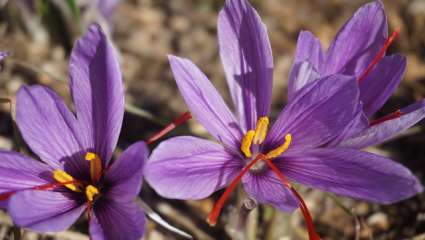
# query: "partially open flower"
[359,50]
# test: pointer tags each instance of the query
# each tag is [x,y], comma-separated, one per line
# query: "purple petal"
[205,103]
[381,132]
[378,86]
[358,124]
[48,127]
[318,113]
[307,64]
[301,74]
[97,91]
[358,41]
[117,221]
[309,49]
[44,211]
[3,55]
[126,173]
[266,188]
[190,168]
[247,59]
[19,172]
[352,173]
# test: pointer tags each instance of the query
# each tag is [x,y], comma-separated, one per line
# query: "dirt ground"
[145,31]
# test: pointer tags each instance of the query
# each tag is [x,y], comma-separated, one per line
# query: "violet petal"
[380,84]
[19,172]
[247,59]
[205,103]
[44,211]
[190,168]
[352,173]
[317,114]
[384,131]
[358,41]
[97,91]
[48,127]
[126,173]
[301,74]
[117,221]
[266,188]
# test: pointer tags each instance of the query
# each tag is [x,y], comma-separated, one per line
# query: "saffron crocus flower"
[3,55]
[76,173]
[193,168]
[359,50]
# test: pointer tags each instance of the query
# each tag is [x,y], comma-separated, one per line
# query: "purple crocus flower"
[76,173]
[3,55]
[359,50]
[193,168]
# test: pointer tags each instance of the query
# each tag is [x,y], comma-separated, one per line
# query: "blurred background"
[39,35]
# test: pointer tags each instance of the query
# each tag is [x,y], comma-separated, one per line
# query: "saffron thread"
[390,116]
[380,55]
[213,216]
[180,120]
[44,187]
[303,207]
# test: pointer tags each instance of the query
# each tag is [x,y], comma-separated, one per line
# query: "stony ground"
[145,31]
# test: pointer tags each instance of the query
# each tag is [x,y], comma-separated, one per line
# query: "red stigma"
[309,221]
[180,120]
[44,187]
[390,116]
[213,216]
[6,195]
[89,210]
[380,55]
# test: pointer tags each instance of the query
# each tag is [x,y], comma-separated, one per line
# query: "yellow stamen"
[62,177]
[95,166]
[246,143]
[91,191]
[282,148]
[261,130]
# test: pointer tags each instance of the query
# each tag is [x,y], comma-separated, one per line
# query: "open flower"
[359,50]
[193,168]
[76,173]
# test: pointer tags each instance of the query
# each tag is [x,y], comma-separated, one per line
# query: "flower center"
[77,186]
[95,166]
[252,140]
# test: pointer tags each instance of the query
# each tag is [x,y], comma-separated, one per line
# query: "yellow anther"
[261,130]
[63,177]
[95,166]
[91,191]
[246,143]
[281,149]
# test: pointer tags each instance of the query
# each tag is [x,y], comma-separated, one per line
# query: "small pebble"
[379,220]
